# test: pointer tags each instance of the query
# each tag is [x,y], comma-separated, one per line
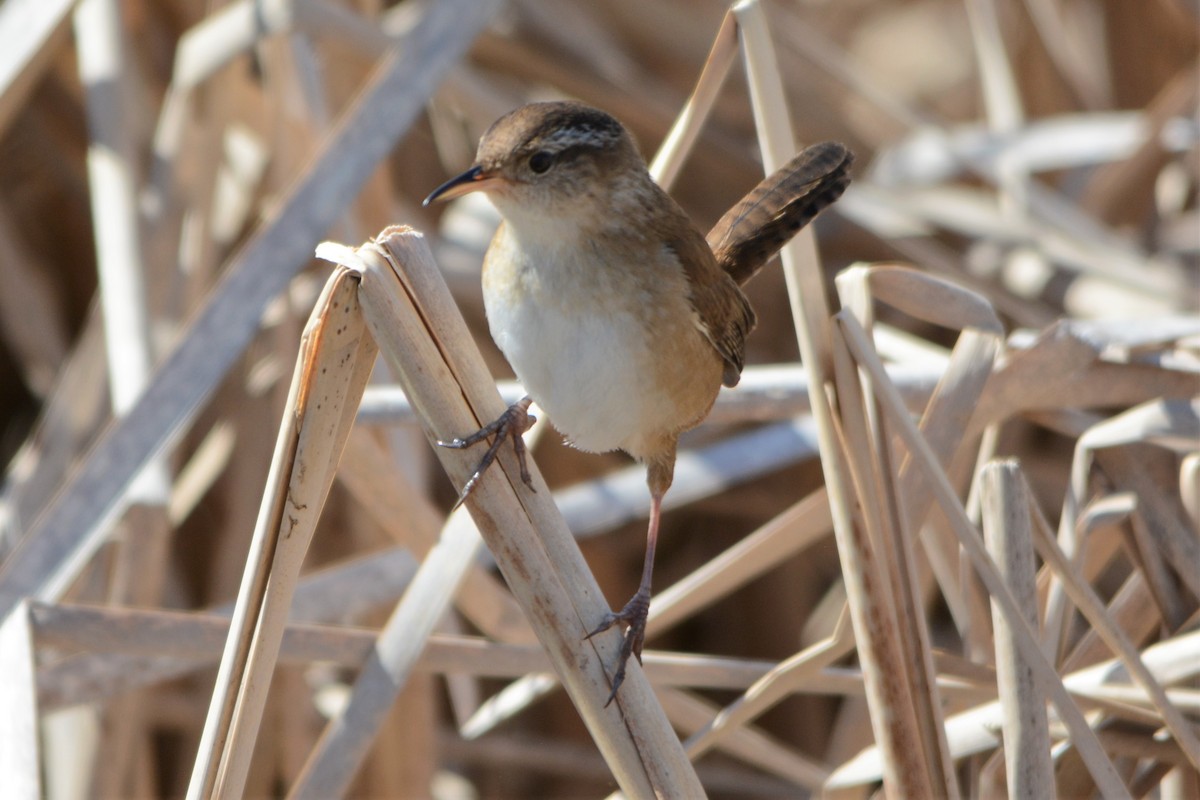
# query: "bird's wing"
[723,313]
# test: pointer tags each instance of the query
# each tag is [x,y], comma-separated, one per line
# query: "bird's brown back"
[764,220]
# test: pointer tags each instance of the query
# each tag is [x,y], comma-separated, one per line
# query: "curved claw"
[512,423]
[634,614]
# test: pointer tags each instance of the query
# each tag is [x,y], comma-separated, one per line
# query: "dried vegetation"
[987,584]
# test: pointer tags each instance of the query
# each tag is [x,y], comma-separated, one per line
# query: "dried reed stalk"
[70,530]
[1007,526]
[421,333]
[1038,171]
[336,357]
[1083,737]
[913,770]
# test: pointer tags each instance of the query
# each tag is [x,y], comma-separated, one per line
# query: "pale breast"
[615,364]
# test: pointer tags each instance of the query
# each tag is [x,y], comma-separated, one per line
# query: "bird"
[619,317]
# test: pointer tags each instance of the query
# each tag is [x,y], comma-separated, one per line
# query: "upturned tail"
[767,218]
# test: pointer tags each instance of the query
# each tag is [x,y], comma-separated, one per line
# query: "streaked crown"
[547,153]
[562,131]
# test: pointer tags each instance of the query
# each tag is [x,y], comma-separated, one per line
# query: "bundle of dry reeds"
[944,539]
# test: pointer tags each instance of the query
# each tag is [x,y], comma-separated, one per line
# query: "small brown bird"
[616,314]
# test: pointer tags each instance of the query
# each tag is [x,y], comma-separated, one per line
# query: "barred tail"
[765,220]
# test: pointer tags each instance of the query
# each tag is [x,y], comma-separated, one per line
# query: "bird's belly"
[589,372]
[611,350]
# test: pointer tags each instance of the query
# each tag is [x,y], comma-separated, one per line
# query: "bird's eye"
[540,161]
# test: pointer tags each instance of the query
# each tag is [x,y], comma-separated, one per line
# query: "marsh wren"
[619,318]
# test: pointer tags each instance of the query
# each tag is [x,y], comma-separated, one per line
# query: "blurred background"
[1042,153]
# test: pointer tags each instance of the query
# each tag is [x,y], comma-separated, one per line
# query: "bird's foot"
[512,423]
[634,615]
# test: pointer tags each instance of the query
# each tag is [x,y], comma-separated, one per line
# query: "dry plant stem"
[20,757]
[142,551]
[682,136]
[71,528]
[1130,468]
[239,26]
[1129,696]
[1166,419]
[1082,736]
[1073,52]
[787,677]
[1128,610]
[339,595]
[946,421]
[693,715]
[882,500]
[947,425]
[1065,361]
[1189,487]
[1110,190]
[70,420]
[1143,430]
[1152,563]
[1058,612]
[105,630]
[430,350]
[1001,98]
[620,497]
[977,730]
[552,757]
[130,633]
[349,736]
[765,393]
[26,27]
[1057,225]
[803,524]
[1006,526]
[885,598]
[336,357]
[112,181]
[1092,608]
[378,483]
[235,657]
[907,774]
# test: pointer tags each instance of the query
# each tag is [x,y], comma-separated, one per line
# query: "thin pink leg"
[636,611]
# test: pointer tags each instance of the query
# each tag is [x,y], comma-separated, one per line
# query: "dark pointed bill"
[473,180]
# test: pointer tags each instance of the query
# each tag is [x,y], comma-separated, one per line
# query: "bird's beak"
[473,180]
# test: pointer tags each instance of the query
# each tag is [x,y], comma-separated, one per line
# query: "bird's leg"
[636,611]
[512,423]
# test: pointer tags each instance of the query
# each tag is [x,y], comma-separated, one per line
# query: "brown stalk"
[336,357]
[894,725]
[1090,606]
[1081,734]
[1007,529]
[422,335]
